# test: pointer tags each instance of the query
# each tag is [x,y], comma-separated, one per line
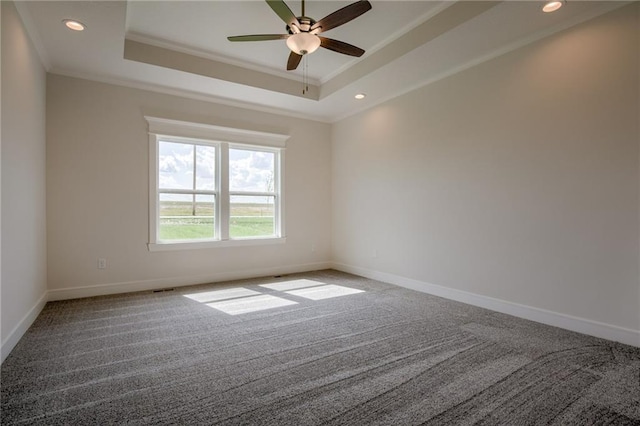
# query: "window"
[187,190]
[252,192]
[212,186]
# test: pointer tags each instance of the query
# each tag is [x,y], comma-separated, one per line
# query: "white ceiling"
[181,47]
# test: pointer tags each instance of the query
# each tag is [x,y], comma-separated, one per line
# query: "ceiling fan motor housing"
[305,25]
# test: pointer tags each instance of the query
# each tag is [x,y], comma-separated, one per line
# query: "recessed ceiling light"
[552,6]
[74,25]
[360,96]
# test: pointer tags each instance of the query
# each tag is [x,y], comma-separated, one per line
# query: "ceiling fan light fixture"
[303,43]
[552,6]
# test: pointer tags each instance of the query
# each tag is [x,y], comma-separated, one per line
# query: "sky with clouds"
[248,170]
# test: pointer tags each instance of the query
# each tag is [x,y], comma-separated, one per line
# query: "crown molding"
[183,93]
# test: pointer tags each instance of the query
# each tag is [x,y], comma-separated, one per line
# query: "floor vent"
[163,290]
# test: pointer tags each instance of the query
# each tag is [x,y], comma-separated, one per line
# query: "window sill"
[195,245]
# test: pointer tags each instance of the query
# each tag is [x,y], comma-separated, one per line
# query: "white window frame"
[222,138]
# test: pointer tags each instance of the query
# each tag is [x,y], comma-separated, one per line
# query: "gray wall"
[23,272]
[97,206]
[517,179]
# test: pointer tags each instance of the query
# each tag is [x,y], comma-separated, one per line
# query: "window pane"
[186,217]
[175,165]
[205,167]
[252,216]
[251,170]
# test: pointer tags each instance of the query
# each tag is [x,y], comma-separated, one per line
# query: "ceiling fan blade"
[341,16]
[258,37]
[294,60]
[340,47]
[282,10]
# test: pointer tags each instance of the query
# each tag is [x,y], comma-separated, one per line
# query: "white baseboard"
[144,285]
[18,331]
[568,322]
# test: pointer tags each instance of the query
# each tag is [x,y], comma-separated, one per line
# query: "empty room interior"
[320,212]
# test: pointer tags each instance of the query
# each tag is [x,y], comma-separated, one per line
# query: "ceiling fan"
[303,38]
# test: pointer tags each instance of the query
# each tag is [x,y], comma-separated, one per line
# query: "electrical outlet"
[102,263]
[313,247]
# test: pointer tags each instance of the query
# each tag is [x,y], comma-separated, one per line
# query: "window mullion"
[278,201]
[253,194]
[154,197]
[224,202]
[187,191]
[193,198]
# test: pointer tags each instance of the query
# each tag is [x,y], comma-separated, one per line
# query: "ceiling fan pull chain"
[305,75]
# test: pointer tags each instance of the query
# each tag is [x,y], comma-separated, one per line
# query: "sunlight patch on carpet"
[292,285]
[236,301]
[250,304]
[324,292]
[230,293]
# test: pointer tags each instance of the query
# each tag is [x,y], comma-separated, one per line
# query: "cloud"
[175,164]
[250,171]
[167,164]
[205,167]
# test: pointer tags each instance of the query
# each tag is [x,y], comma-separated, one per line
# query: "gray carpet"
[384,356]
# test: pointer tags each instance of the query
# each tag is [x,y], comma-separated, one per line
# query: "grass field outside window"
[178,221]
